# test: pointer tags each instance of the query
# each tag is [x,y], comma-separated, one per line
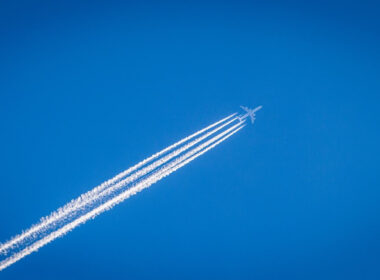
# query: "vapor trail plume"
[89,196]
[142,172]
[145,183]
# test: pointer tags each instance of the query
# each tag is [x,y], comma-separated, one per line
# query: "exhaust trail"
[142,172]
[145,183]
[91,195]
[44,228]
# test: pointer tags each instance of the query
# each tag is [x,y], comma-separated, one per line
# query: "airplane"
[249,113]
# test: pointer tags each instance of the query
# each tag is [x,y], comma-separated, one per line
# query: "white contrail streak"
[89,196]
[142,172]
[145,183]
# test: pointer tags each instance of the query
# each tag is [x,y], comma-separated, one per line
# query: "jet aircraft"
[249,113]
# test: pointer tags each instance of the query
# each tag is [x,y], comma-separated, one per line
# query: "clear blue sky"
[88,89]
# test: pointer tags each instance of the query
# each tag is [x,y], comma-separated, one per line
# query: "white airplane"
[249,113]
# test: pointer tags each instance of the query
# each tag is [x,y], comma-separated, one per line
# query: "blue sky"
[89,89]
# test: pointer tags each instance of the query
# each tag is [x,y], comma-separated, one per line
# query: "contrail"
[142,172]
[145,183]
[44,225]
[44,228]
[92,195]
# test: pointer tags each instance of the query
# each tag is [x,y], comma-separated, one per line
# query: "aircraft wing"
[245,108]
